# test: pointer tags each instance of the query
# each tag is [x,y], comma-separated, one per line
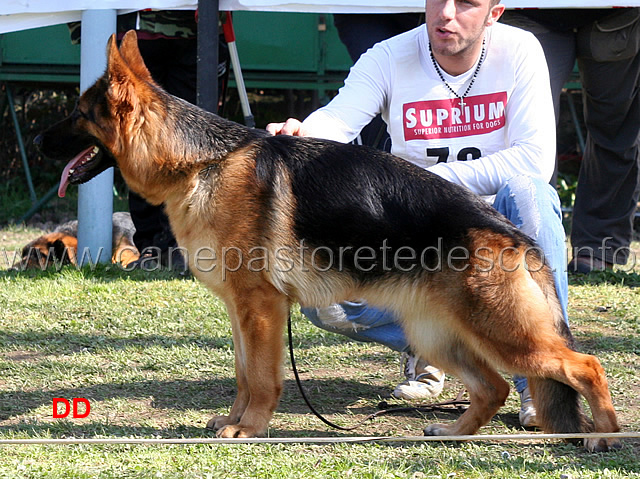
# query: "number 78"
[469,153]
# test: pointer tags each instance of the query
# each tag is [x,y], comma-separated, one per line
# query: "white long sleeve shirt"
[506,128]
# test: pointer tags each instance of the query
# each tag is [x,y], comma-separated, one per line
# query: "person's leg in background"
[609,179]
[560,51]
[361,322]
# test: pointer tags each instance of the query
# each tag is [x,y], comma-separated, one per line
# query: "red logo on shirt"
[435,119]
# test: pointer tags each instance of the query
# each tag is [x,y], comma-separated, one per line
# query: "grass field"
[152,353]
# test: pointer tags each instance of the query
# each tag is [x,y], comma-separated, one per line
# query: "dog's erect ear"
[131,55]
[64,249]
[117,68]
[113,55]
[124,87]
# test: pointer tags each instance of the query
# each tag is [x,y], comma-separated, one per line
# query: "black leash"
[458,404]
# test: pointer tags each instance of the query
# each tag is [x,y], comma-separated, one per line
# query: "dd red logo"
[68,408]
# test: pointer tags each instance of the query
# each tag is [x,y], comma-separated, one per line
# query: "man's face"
[456,27]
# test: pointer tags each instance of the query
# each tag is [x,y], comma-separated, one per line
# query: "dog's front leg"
[242,397]
[258,316]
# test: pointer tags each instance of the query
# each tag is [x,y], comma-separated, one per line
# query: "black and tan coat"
[268,221]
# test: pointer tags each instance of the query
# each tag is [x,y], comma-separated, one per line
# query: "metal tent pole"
[95,198]
[208,54]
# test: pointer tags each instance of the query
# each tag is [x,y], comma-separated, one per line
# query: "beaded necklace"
[473,78]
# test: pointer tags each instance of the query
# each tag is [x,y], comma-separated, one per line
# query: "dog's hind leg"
[258,314]
[557,374]
[565,374]
[487,389]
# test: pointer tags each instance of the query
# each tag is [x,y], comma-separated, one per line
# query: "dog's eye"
[77,113]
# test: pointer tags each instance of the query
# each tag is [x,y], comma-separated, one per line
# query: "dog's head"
[48,250]
[106,119]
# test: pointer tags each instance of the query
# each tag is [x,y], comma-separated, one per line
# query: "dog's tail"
[558,406]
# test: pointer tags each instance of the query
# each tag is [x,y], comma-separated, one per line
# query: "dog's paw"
[437,430]
[218,422]
[599,444]
[237,431]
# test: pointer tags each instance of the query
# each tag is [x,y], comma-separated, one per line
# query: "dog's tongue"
[64,179]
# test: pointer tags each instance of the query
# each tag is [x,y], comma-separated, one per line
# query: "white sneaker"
[527,413]
[423,380]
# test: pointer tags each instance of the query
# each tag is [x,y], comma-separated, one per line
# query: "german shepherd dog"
[60,247]
[287,219]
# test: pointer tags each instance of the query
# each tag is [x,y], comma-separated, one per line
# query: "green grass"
[152,352]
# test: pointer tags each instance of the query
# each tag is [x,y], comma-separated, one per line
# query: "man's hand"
[291,127]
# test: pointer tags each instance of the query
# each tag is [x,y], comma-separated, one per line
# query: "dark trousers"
[609,178]
[172,64]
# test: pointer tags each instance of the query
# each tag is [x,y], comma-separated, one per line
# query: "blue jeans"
[531,204]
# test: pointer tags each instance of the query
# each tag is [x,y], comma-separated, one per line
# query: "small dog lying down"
[60,247]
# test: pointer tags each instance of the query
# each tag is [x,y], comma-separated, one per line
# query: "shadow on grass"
[618,277]
[178,394]
[204,396]
[183,395]
[594,342]
[100,272]
[63,342]
[159,398]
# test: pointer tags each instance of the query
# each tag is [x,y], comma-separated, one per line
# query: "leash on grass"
[456,404]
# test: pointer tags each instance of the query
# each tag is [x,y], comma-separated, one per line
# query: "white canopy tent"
[24,14]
